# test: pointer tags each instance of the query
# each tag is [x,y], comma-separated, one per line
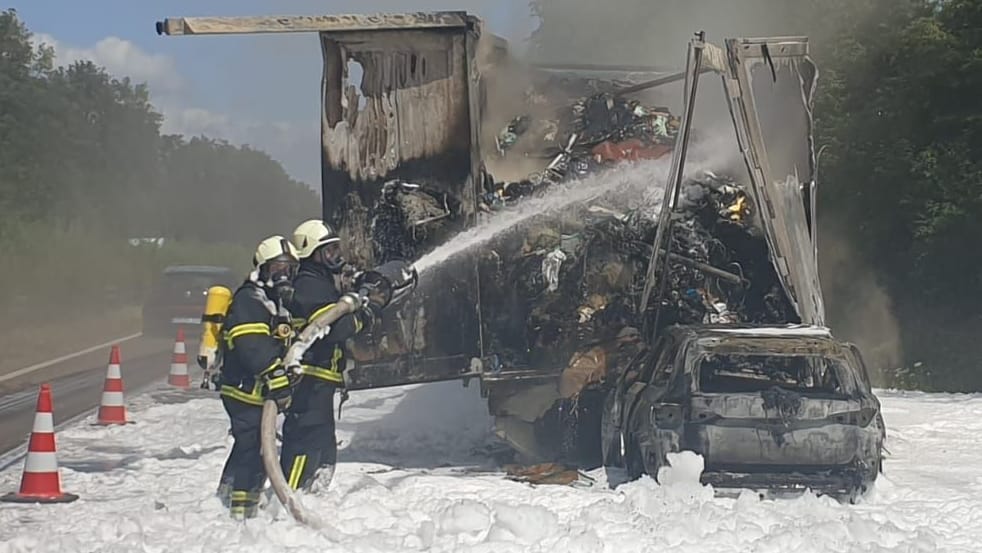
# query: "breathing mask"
[277,274]
[330,256]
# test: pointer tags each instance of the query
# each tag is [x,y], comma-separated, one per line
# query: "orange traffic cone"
[179,364]
[41,482]
[112,410]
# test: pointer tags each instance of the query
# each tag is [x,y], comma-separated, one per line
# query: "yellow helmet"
[311,235]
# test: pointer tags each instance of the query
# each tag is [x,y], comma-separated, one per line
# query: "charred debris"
[570,281]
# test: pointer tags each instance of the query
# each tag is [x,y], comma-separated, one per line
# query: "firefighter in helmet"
[309,440]
[256,331]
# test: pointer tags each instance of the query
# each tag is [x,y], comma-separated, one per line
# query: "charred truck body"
[420,141]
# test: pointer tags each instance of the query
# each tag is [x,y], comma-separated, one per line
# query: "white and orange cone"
[112,410]
[179,376]
[41,482]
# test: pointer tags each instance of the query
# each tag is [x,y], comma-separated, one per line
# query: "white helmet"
[276,265]
[272,248]
[311,235]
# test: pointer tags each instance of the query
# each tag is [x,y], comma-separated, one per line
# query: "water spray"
[637,178]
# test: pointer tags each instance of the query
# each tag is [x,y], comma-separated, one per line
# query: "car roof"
[769,339]
[201,269]
[753,331]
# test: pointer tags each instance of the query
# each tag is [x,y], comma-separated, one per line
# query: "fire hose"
[391,283]
[271,459]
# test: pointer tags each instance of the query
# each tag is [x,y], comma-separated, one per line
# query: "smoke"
[651,33]
[641,32]
[859,308]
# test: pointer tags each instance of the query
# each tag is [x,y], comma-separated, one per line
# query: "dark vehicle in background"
[177,297]
[773,409]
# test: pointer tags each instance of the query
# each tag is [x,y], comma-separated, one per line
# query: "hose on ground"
[271,460]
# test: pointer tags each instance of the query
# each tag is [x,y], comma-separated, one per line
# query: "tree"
[83,167]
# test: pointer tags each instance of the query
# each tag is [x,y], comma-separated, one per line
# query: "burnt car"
[177,297]
[772,409]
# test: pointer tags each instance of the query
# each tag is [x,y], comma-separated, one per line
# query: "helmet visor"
[330,255]
[332,251]
[280,269]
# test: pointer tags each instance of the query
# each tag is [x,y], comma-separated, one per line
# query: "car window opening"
[736,373]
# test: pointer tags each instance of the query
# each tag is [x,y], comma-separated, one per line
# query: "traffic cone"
[112,410]
[179,376]
[41,482]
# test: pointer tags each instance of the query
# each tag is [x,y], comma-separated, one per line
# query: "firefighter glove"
[279,385]
[368,318]
[377,299]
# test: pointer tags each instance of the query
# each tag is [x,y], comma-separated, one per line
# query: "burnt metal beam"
[408,370]
[645,85]
[519,375]
[311,23]
[704,267]
[673,187]
[698,265]
[599,67]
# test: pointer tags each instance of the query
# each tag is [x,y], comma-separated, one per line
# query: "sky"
[261,90]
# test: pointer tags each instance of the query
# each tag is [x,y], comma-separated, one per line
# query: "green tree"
[83,167]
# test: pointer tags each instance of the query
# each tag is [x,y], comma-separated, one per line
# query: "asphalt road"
[77,384]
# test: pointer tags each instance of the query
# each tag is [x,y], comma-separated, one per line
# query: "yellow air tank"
[219,298]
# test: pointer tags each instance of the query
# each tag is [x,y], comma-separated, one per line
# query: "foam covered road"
[404,484]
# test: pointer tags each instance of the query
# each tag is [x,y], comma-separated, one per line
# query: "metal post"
[674,185]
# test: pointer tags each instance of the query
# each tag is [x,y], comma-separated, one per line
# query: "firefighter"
[256,331]
[309,441]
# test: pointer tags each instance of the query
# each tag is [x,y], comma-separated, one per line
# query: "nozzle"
[388,284]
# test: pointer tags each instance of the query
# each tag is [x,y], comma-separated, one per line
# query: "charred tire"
[655,457]
[653,463]
[633,459]
[611,437]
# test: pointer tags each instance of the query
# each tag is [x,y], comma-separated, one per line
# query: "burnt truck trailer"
[410,114]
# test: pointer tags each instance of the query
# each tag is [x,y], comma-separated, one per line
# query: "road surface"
[77,384]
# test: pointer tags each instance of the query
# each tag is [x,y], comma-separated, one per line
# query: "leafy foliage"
[84,167]
[900,108]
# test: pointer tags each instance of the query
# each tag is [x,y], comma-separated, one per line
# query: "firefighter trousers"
[243,475]
[309,439]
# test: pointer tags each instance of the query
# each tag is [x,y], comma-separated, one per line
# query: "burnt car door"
[653,368]
[656,413]
[623,395]
[649,392]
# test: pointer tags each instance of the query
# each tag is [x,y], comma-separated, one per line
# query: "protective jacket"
[254,341]
[315,295]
